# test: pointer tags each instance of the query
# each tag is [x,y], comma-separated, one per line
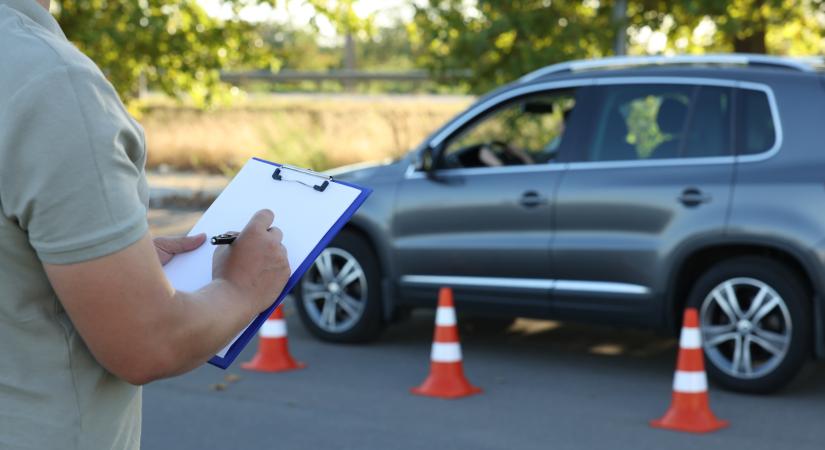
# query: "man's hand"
[256,263]
[519,153]
[141,329]
[486,156]
[167,247]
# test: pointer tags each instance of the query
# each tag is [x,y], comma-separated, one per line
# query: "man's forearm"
[201,323]
[141,329]
[136,325]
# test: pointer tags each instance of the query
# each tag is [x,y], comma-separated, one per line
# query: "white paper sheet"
[302,213]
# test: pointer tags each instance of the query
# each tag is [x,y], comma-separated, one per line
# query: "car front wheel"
[339,299]
[755,323]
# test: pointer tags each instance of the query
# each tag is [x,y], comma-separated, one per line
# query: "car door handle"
[693,197]
[531,199]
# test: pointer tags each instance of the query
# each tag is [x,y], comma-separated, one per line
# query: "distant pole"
[349,59]
[620,21]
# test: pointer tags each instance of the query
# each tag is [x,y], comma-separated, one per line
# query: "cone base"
[689,421]
[446,380]
[447,394]
[690,412]
[272,356]
[256,365]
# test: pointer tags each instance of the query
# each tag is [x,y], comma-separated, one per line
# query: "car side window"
[526,131]
[645,122]
[755,127]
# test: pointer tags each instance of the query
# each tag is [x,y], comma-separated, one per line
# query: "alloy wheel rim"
[334,291]
[746,327]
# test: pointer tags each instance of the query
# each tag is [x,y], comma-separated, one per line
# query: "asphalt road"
[547,385]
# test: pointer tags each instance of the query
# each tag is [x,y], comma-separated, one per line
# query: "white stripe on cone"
[445,316]
[446,352]
[273,329]
[690,338]
[690,382]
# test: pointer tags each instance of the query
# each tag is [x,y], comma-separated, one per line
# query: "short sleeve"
[71,166]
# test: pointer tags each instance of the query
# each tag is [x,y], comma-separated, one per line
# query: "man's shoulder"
[33,50]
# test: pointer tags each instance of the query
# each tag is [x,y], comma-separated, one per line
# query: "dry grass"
[318,132]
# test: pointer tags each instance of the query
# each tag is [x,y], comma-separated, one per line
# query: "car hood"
[366,172]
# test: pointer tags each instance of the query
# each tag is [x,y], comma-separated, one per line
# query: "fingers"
[175,245]
[260,221]
[276,233]
[190,243]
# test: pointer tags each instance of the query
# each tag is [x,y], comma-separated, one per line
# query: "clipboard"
[310,208]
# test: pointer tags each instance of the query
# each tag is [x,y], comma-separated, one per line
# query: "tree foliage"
[342,15]
[172,44]
[500,40]
[788,27]
[298,49]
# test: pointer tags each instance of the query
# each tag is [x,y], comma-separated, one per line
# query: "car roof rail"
[803,64]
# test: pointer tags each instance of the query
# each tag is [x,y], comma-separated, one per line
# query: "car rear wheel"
[339,297]
[755,322]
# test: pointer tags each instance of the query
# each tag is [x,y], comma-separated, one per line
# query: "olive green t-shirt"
[72,188]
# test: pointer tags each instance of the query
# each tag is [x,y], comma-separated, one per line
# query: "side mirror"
[425,162]
[424,159]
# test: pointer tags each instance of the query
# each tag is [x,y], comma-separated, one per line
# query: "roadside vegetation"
[313,131]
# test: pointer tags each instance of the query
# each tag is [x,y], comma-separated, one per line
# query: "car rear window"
[755,128]
[660,121]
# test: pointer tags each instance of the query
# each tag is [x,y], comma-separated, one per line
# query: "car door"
[480,220]
[656,171]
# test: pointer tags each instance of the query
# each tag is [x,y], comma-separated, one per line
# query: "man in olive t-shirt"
[86,314]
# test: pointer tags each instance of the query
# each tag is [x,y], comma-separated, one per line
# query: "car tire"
[756,339]
[339,297]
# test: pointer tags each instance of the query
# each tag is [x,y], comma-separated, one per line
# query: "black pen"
[224,239]
[227,238]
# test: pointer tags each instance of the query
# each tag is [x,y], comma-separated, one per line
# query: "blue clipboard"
[188,270]
[251,330]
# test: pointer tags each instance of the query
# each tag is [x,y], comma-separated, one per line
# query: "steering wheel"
[470,156]
[498,147]
[507,154]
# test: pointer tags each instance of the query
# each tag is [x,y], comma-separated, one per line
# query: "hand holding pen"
[227,238]
[256,252]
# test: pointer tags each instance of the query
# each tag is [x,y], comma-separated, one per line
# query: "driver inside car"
[499,153]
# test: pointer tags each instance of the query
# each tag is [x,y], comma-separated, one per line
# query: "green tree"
[788,27]
[341,14]
[298,49]
[387,48]
[500,40]
[172,44]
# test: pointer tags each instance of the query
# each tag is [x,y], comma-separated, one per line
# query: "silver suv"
[616,191]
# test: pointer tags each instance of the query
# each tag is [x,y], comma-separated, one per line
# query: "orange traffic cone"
[273,352]
[690,411]
[446,379]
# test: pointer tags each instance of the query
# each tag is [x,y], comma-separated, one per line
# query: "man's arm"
[140,329]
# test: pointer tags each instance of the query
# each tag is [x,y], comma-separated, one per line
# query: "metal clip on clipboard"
[318,187]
